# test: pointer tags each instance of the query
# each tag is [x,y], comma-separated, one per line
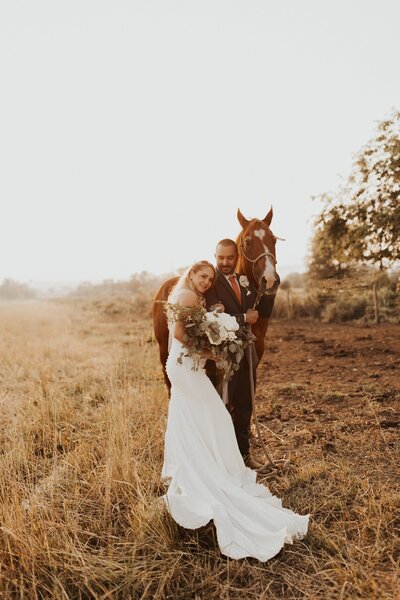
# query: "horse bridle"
[253,262]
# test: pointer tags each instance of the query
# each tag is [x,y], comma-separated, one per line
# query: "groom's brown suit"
[239,393]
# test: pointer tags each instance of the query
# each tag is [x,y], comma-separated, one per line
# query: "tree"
[12,290]
[360,224]
[329,253]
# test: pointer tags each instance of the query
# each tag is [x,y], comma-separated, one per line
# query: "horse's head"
[257,256]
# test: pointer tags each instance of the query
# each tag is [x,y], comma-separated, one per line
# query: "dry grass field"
[83,411]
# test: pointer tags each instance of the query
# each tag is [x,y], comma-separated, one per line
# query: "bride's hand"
[218,307]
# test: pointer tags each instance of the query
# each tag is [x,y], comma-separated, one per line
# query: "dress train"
[208,479]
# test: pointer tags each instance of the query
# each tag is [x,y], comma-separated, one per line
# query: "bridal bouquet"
[218,333]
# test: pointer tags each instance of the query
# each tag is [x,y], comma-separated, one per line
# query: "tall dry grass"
[83,411]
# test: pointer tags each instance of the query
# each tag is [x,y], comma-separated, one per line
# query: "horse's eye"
[247,240]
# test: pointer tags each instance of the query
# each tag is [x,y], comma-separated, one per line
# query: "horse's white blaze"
[269,271]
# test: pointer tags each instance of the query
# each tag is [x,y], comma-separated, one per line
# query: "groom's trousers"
[240,404]
[239,400]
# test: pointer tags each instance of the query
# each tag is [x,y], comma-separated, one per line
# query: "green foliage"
[330,244]
[360,224]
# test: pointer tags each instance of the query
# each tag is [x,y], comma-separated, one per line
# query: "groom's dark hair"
[227,242]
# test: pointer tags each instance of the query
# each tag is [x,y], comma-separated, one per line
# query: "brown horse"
[257,260]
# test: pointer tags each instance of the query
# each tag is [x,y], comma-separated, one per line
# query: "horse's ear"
[242,220]
[268,218]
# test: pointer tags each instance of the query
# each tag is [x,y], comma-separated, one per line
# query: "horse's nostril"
[269,285]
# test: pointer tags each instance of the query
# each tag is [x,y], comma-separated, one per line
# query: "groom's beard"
[224,270]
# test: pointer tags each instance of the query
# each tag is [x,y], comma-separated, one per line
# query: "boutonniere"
[244,282]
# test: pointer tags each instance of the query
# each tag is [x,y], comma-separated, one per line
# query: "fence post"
[376,301]
[289,303]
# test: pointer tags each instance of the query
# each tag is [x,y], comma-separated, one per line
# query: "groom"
[238,301]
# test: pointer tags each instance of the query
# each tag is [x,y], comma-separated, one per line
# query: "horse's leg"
[260,346]
[162,336]
[161,326]
[260,329]
[163,360]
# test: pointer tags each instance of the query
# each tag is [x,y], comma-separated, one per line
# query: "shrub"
[347,309]
[302,305]
[12,290]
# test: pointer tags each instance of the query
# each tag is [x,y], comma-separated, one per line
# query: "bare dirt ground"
[332,390]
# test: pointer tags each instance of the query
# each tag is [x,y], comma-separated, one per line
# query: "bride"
[208,479]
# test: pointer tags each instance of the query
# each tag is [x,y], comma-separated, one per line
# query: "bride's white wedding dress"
[208,478]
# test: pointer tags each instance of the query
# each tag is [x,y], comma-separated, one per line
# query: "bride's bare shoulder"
[186,297]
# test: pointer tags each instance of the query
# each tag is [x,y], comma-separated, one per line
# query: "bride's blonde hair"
[184,281]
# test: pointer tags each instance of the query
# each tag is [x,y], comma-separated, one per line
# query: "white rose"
[224,320]
[244,281]
[230,323]
[211,317]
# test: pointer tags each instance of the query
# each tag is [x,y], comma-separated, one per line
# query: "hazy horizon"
[43,285]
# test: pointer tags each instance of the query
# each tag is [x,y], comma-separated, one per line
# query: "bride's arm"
[185,298]
[188,298]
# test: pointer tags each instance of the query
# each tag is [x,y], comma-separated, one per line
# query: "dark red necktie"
[236,288]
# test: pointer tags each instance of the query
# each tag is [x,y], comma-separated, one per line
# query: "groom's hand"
[251,316]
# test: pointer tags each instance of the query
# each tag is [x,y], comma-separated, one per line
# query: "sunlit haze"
[131,132]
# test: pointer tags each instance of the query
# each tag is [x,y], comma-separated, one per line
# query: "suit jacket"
[222,291]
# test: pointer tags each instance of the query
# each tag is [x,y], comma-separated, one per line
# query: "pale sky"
[131,131]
